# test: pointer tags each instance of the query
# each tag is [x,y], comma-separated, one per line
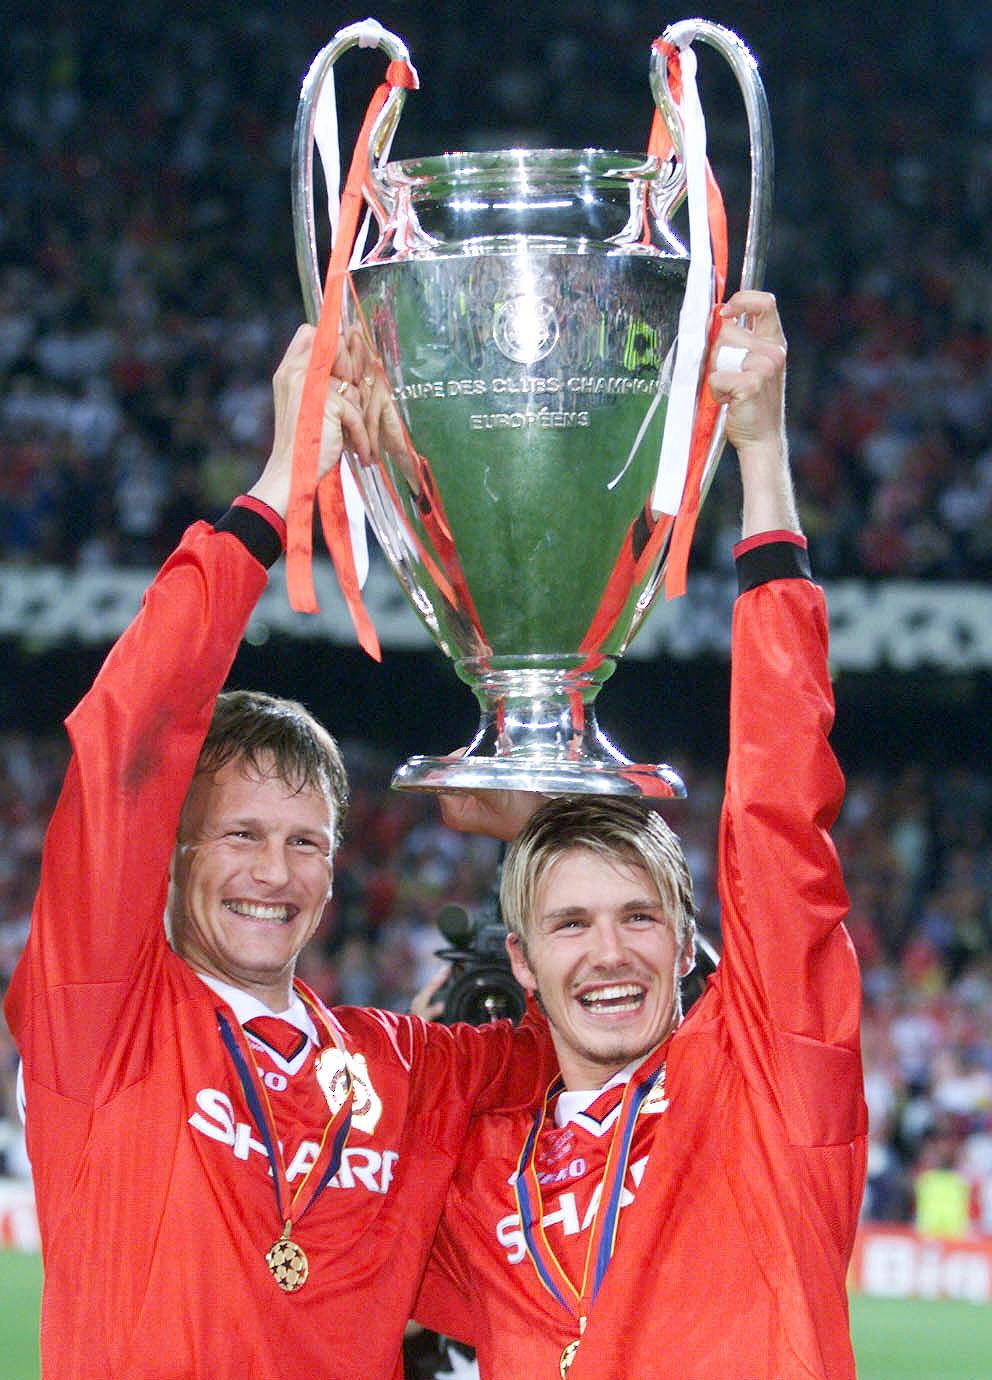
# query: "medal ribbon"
[332,1142]
[602,1237]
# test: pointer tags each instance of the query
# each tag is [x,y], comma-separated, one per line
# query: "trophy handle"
[367,34]
[740,59]
[759,221]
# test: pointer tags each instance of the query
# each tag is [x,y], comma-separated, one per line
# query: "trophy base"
[547,778]
[539,733]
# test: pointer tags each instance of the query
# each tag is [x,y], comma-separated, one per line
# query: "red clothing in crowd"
[155,1197]
[746,1170]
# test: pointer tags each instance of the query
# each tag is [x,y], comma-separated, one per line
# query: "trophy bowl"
[517,322]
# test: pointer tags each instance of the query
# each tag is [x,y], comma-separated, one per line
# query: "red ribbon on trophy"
[329,492]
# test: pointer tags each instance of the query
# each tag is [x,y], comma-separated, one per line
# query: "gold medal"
[287,1262]
[286,1259]
[567,1357]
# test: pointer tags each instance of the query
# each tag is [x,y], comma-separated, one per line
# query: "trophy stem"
[538,732]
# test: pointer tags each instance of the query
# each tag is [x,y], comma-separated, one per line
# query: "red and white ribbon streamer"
[697,304]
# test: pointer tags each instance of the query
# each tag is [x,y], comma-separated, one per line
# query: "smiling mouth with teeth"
[254,910]
[625,997]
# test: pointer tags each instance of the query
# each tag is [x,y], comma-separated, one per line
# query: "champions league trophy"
[534,342]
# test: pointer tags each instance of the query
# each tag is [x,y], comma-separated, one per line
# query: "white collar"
[571,1104]
[246,1007]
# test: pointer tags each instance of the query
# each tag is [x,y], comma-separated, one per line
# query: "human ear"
[519,965]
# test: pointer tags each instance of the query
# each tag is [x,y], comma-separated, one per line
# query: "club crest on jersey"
[656,1101]
[337,1072]
[556,1148]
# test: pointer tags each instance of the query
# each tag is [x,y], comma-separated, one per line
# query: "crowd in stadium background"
[147,287]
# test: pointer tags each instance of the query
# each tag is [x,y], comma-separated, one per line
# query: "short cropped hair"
[618,828]
[274,736]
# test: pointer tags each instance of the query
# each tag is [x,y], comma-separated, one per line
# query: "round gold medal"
[288,1264]
[567,1357]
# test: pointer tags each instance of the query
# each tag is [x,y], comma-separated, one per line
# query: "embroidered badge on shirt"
[656,1101]
[337,1071]
[367,1108]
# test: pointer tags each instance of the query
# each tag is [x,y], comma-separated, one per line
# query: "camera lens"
[483,994]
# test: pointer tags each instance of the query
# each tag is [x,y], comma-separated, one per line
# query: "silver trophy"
[519,315]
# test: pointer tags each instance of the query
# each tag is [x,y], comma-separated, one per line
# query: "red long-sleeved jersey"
[155,1199]
[745,1177]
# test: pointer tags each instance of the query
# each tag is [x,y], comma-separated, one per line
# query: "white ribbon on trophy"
[697,305]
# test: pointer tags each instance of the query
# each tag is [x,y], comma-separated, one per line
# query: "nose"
[269,863]
[608,948]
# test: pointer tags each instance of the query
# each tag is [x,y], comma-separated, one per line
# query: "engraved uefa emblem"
[525,328]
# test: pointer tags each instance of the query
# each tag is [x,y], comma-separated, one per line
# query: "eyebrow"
[628,908]
[247,821]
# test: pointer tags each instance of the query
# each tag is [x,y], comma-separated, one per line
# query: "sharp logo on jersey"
[565,1216]
[361,1167]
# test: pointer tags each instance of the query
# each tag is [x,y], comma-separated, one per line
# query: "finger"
[457,812]
[372,410]
[302,341]
[738,347]
[761,311]
[434,984]
[344,419]
[351,421]
[756,373]
[423,1003]
[359,352]
[344,366]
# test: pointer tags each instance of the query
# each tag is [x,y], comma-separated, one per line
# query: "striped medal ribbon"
[286,1258]
[602,1236]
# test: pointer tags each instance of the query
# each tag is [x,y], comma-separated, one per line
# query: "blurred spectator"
[943,1193]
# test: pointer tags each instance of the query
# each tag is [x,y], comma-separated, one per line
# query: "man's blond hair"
[618,829]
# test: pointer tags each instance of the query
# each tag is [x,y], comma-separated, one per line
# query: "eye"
[308,845]
[642,919]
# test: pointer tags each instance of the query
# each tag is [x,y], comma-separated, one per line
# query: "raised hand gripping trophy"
[531,342]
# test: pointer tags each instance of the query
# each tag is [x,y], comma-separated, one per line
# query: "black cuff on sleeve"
[778,560]
[252,530]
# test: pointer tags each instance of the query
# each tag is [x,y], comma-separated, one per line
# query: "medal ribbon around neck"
[333,1139]
[602,1238]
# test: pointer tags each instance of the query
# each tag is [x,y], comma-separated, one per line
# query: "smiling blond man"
[598,901]
[683,1202]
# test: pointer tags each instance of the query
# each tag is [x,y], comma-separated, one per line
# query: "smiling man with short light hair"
[684,1201]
